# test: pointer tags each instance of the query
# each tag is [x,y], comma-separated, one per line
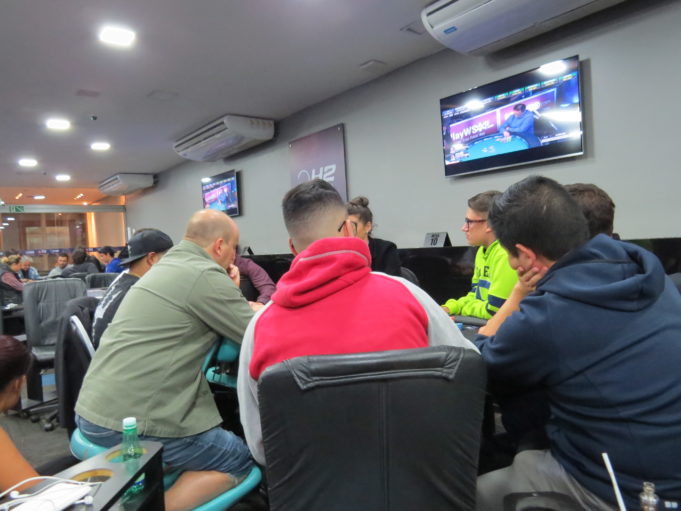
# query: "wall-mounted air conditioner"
[123,184]
[224,137]
[483,26]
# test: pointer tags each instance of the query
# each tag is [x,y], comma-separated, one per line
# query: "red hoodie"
[329,302]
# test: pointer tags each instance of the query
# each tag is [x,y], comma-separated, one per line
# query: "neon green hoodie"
[493,281]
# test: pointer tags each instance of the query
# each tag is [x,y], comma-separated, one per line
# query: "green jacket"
[493,281]
[148,364]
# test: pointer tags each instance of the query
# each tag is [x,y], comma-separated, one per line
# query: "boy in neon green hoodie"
[493,277]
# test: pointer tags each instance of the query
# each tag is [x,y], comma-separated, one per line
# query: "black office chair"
[248,289]
[78,275]
[406,273]
[73,354]
[390,431]
[97,280]
[44,302]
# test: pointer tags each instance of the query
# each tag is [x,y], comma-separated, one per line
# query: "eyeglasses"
[354,226]
[467,221]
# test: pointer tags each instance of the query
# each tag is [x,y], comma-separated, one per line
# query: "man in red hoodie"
[328,302]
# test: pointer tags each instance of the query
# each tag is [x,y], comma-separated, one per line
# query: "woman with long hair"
[15,360]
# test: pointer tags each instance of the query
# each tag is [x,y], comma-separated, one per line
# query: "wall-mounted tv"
[221,192]
[529,117]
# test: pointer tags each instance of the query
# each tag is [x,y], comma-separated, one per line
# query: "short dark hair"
[78,256]
[15,360]
[106,250]
[539,213]
[597,206]
[303,202]
[62,254]
[360,206]
[520,107]
[482,202]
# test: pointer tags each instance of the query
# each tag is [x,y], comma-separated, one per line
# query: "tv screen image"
[221,192]
[529,117]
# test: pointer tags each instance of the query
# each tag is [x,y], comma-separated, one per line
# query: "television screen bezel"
[558,150]
[223,176]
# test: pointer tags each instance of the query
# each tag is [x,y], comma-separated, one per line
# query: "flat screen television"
[221,192]
[529,117]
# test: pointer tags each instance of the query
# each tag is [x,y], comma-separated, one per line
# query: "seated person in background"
[493,278]
[62,262]
[27,272]
[520,122]
[145,249]
[148,363]
[597,207]
[600,336]
[384,257]
[80,264]
[15,360]
[329,281]
[10,285]
[259,278]
[106,256]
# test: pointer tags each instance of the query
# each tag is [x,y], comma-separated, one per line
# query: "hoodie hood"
[324,268]
[607,273]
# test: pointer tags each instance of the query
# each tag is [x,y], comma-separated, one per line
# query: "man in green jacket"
[493,278]
[148,364]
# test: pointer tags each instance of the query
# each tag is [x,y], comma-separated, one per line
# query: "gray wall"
[632,110]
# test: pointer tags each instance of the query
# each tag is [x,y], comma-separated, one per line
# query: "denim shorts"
[215,449]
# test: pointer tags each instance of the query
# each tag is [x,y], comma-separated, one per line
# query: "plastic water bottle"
[648,500]
[131,451]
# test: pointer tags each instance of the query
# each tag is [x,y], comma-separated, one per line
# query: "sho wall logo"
[320,155]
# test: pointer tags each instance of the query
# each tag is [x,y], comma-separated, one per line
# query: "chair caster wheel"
[34,418]
[48,427]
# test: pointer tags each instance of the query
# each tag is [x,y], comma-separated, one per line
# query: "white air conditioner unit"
[482,26]
[123,184]
[224,137]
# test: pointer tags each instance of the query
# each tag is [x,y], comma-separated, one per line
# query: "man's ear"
[527,256]
[291,247]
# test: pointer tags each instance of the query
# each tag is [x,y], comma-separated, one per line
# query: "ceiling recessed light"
[205,180]
[79,196]
[38,197]
[120,37]
[84,203]
[62,177]
[28,162]
[5,223]
[18,195]
[58,124]
[100,146]
[10,219]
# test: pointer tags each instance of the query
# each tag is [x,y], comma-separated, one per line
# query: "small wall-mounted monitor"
[529,117]
[222,193]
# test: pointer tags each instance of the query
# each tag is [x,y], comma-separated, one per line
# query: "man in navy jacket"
[599,331]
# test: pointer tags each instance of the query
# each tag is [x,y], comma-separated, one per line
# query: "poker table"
[493,145]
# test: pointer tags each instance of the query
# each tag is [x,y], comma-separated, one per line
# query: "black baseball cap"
[144,242]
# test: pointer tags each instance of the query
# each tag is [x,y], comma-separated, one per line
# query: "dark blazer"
[384,256]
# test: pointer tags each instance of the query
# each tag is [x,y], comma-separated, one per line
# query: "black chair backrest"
[406,273]
[79,275]
[93,280]
[44,302]
[676,279]
[73,355]
[395,430]
[248,289]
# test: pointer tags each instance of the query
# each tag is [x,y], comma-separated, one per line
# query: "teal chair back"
[217,366]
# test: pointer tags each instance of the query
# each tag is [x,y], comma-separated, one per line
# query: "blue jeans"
[215,449]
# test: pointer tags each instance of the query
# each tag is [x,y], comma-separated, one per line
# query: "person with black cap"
[145,249]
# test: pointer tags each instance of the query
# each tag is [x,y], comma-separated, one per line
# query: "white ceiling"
[193,61]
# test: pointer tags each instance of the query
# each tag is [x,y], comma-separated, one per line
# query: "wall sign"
[320,155]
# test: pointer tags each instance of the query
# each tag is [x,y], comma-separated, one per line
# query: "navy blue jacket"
[602,337]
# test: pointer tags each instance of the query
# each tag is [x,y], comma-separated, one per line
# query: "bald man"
[148,364]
